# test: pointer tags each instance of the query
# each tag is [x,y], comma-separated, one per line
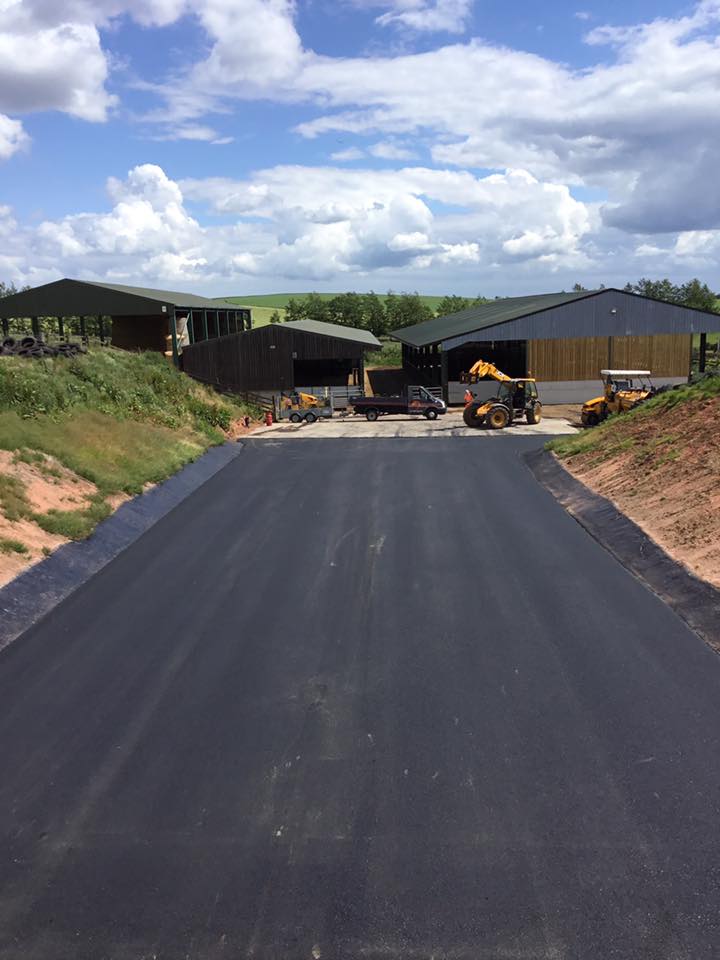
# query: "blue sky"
[234,146]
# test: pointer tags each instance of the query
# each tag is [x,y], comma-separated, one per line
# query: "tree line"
[369,311]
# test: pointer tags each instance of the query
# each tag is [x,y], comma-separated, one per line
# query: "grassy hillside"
[76,436]
[660,463]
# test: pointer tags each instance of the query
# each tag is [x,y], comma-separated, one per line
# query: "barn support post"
[61,327]
[83,331]
[191,330]
[6,326]
[35,325]
[444,375]
[205,325]
[101,329]
[173,334]
[703,351]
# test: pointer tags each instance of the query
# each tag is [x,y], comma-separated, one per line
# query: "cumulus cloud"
[12,137]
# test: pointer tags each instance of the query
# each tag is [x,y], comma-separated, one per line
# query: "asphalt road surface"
[361,699]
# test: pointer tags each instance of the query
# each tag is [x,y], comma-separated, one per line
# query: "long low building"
[283,356]
[142,318]
[561,339]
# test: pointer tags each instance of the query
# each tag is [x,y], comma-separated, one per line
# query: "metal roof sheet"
[172,297]
[484,315]
[336,330]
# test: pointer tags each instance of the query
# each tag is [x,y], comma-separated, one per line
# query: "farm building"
[282,356]
[561,339]
[141,318]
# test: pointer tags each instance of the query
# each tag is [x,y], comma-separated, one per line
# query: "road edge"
[37,591]
[695,601]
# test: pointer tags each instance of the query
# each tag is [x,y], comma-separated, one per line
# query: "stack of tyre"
[37,349]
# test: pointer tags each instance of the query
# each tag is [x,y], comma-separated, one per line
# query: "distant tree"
[374,316]
[578,288]
[694,293]
[347,309]
[316,308]
[698,295]
[295,310]
[455,304]
[275,317]
[406,309]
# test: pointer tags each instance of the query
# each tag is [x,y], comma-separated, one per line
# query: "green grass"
[74,524]
[120,420]
[8,545]
[602,439]
[389,356]
[13,501]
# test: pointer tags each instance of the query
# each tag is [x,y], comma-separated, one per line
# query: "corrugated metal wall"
[611,313]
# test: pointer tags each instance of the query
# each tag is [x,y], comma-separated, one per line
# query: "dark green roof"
[482,316]
[174,298]
[77,298]
[335,330]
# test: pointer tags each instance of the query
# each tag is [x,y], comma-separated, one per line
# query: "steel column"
[205,325]
[173,334]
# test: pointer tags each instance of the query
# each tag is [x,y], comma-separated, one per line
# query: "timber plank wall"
[582,358]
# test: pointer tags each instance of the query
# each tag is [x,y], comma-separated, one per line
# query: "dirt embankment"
[661,467]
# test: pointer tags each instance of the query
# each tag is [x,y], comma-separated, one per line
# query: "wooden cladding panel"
[666,355]
[574,358]
[140,333]
[582,358]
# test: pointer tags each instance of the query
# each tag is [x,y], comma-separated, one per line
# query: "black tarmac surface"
[361,699]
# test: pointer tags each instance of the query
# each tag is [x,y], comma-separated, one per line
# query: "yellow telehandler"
[515,398]
[622,390]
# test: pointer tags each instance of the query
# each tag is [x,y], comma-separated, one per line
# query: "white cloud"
[350,153]
[449,16]
[387,150]
[12,137]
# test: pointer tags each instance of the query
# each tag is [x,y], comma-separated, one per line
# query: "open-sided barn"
[282,356]
[561,339]
[142,318]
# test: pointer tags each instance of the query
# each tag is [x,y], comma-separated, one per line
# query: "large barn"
[141,318]
[561,339]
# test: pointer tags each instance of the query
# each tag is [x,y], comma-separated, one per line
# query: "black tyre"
[497,418]
[590,419]
[470,418]
[310,418]
[431,414]
[295,417]
[534,414]
[371,414]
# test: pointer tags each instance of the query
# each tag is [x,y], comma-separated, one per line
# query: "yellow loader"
[514,399]
[622,390]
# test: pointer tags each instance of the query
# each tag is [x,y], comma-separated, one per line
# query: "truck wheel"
[310,418]
[371,414]
[431,414]
[295,417]
[534,415]
[498,417]
[469,415]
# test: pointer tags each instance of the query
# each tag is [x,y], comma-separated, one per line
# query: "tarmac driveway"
[357,701]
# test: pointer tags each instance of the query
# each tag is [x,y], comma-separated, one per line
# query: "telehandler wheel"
[296,418]
[534,415]
[497,418]
[310,418]
[590,419]
[431,414]
[469,418]
[371,414]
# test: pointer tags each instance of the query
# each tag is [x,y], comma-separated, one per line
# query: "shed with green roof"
[561,339]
